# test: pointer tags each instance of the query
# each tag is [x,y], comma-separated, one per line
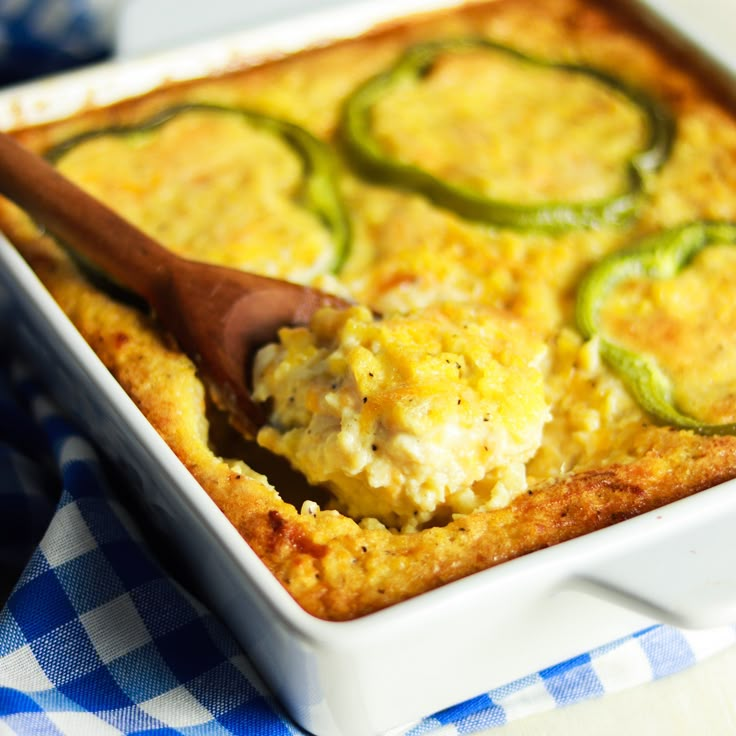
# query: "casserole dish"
[341,678]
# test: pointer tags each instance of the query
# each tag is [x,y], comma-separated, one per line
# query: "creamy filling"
[411,418]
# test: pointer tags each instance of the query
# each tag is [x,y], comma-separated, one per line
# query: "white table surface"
[700,700]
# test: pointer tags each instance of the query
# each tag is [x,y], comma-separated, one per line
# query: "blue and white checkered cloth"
[39,37]
[96,638]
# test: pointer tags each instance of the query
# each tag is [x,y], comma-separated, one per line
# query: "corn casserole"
[531,204]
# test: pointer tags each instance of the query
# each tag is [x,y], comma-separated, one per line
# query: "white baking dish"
[378,673]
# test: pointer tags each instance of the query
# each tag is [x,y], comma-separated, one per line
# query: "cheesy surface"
[486,97]
[684,323]
[566,449]
[223,204]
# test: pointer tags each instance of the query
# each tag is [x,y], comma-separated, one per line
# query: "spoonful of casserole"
[410,418]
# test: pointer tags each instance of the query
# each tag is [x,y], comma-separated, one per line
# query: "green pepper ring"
[662,255]
[366,154]
[320,190]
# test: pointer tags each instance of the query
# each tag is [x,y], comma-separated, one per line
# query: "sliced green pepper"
[366,153]
[320,191]
[660,256]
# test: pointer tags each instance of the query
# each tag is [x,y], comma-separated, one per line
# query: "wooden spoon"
[218,315]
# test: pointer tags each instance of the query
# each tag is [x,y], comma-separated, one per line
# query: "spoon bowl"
[218,315]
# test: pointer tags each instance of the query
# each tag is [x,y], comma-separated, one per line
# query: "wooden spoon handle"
[85,225]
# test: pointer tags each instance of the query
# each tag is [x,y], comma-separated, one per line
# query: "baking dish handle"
[677,564]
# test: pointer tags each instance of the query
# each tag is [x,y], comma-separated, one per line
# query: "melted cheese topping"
[410,418]
[217,203]
[687,324]
[564,117]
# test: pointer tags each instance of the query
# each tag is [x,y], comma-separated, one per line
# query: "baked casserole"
[532,206]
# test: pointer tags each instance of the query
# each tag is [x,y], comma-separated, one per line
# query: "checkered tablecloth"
[96,638]
[39,37]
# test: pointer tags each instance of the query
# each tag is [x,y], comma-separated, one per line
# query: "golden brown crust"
[332,566]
